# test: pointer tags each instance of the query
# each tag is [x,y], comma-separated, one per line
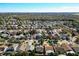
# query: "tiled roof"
[48,47]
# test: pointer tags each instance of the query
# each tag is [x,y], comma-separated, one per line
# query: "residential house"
[49,49]
[39,48]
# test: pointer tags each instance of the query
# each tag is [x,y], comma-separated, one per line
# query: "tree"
[50,42]
[51,54]
[55,41]
[2,40]
[70,54]
[44,52]
[8,53]
[21,53]
[41,41]
[32,53]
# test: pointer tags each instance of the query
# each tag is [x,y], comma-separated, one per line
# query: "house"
[31,47]
[59,50]
[28,46]
[39,48]
[63,36]
[72,52]
[66,47]
[4,35]
[19,36]
[38,36]
[7,49]
[49,49]
[16,47]
[76,49]
[23,47]
[2,49]
[2,31]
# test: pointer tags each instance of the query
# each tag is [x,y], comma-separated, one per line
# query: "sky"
[39,7]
